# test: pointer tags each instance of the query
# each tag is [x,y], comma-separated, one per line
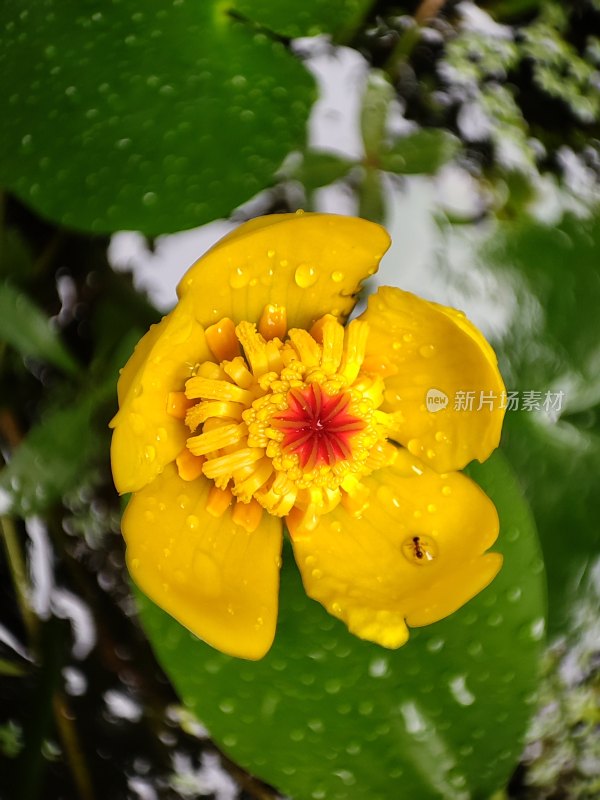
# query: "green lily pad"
[326,715]
[309,18]
[157,117]
[553,346]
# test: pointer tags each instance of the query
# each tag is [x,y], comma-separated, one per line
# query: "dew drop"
[149,199]
[435,645]
[305,276]
[238,278]
[460,692]
[317,573]
[149,453]
[514,594]
[378,668]
[414,447]
[337,276]
[475,649]
[427,350]
[183,501]
[446,491]
[407,337]
[192,522]
[161,434]
[537,629]
[420,550]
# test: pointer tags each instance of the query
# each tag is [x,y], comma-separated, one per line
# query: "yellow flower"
[250,405]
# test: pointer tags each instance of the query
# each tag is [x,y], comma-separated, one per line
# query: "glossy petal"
[213,576]
[427,346]
[363,570]
[145,436]
[312,264]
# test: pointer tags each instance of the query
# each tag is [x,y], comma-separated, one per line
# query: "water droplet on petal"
[192,522]
[305,276]
[427,350]
[337,276]
[183,501]
[414,447]
[238,278]
[149,453]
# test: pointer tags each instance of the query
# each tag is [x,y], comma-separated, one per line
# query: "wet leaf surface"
[309,18]
[122,117]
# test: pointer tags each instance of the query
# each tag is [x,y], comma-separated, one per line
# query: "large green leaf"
[553,345]
[326,715]
[309,18]
[156,117]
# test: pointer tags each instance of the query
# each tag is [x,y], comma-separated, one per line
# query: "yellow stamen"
[273,322]
[239,373]
[248,515]
[356,337]
[231,462]
[254,348]
[308,350]
[208,389]
[178,404]
[213,440]
[210,370]
[189,466]
[222,340]
[217,408]
[333,345]
[219,501]
[259,475]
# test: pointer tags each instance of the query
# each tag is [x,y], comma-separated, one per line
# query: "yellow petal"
[146,436]
[213,576]
[311,264]
[366,570]
[433,352]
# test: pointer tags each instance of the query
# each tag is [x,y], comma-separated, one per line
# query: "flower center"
[318,427]
[287,423]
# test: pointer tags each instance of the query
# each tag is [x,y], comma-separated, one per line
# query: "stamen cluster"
[286,421]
